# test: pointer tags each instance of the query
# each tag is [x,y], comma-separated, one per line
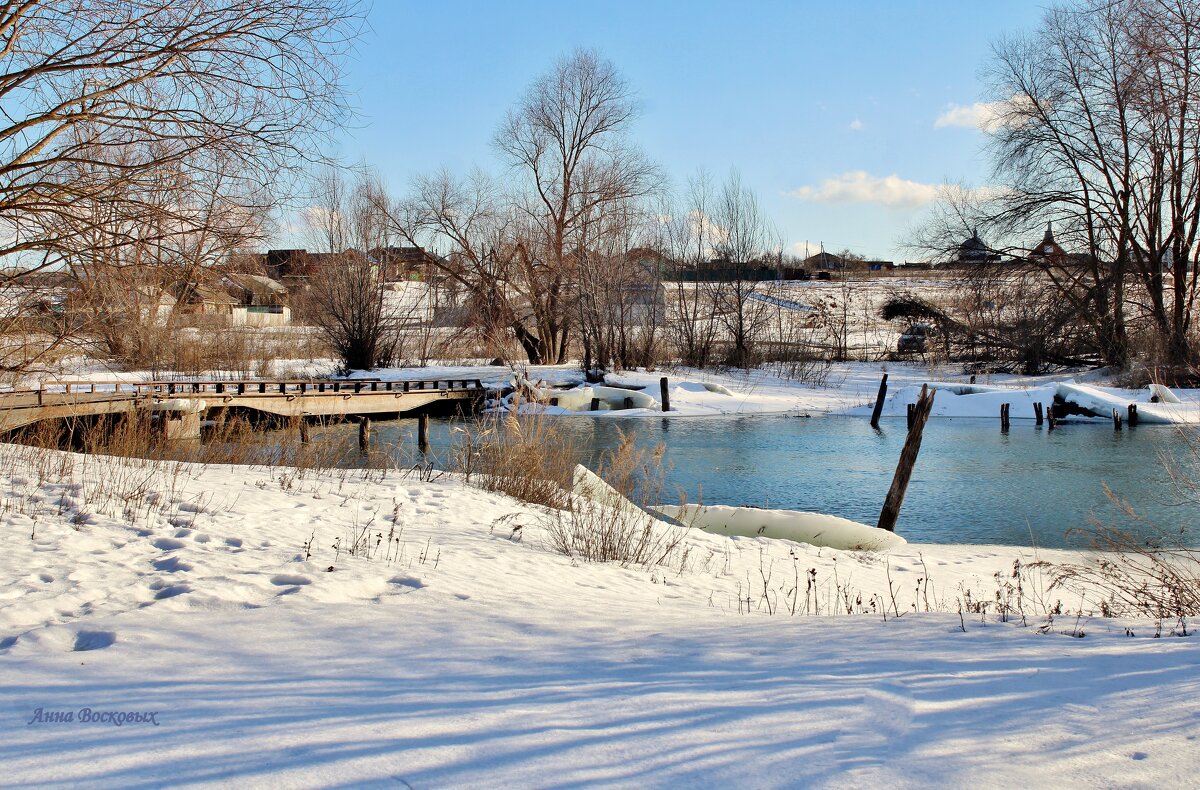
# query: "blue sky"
[817,104]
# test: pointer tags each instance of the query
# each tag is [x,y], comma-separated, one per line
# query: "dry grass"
[1128,578]
[610,524]
[527,456]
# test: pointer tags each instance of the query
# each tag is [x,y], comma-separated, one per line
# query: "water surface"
[972,483]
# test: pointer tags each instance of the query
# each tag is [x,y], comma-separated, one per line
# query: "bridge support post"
[423,433]
[364,434]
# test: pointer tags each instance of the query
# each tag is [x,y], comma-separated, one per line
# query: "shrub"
[610,524]
[528,456]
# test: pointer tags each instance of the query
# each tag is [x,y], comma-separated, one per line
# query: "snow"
[850,390]
[846,389]
[464,652]
[958,400]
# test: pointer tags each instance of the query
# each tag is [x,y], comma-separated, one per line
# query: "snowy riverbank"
[846,389]
[464,652]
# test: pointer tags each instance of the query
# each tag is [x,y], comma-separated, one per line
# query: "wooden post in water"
[1133,415]
[908,459]
[666,396]
[423,433]
[304,438]
[364,434]
[628,403]
[1037,413]
[1050,418]
[912,415]
[879,402]
[1004,416]
[595,404]
[1116,420]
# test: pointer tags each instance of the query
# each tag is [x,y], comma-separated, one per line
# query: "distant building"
[415,264]
[194,298]
[824,261]
[283,264]
[1048,251]
[262,301]
[975,251]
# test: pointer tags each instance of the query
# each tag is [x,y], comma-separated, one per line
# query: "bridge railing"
[173,388]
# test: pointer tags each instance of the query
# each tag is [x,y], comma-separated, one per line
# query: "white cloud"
[986,116]
[858,186]
[856,125]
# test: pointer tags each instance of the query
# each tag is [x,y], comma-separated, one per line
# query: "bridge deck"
[286,398]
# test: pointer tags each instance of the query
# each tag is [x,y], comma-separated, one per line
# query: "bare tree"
[1099,133]
[686,239]
[565,142]
[474,220]
[347,293]
[184,229]
[107,103]
[747,253]
[620,295]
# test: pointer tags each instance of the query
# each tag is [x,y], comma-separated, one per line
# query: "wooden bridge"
[290,399]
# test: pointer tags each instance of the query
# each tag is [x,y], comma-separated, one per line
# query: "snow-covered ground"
[226,602]
[848,389]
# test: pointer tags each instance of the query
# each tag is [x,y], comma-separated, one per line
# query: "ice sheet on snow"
[815,529]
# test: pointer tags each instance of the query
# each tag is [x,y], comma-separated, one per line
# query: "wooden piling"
[595,404]
[304,438]
[1037,413]
[912,415]
[423,433]
[628,403]
[1051,420]
[908,459]
[1116,420]
[666,395]
[1004,416]
[879,402]
[1133,415]
[364,434]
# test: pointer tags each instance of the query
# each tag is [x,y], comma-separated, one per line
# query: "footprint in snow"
[202,538]
[235,543]
[93,640]
[168,544]
[171,565]
[45,578]
[182,533]
[172,591]
[407,581]
[289,579]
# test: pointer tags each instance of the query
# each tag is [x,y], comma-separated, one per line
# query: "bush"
[1132,576]
[530,457]
[610,524]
